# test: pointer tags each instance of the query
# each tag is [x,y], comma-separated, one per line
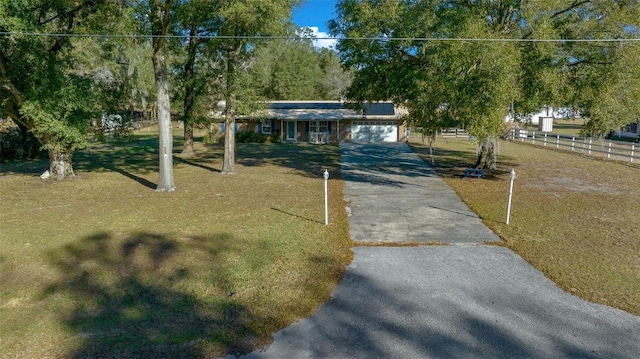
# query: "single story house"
[323,122]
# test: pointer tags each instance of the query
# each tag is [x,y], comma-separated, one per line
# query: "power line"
[384,39]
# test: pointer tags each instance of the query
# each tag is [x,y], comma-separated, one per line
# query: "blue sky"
[315,14]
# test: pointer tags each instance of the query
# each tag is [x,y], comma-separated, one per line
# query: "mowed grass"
[572,217]
[104,266]
[567,127]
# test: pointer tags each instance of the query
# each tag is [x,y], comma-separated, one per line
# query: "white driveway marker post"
[325,175]
[513,176]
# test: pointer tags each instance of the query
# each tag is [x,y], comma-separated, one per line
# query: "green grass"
[567,127]
[574,218]
[103,266]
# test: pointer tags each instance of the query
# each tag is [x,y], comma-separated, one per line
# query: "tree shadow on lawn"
[128,159]
[383,164]
[452,163]
[305,159]
[195,163]
[135,298]
[28,167]
[140,157]
[308,160]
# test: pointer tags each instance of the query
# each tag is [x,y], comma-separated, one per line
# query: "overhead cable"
[364,38]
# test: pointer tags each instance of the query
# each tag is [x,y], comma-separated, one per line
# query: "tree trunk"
[160,13]
[190,91]
[486,155]
[188,138]
[228,166]
[30,144]
[432,139]
[60,166]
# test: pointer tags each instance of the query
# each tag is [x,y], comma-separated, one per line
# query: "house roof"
[312,114]
[328,110]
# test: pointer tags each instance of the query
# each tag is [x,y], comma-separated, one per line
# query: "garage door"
[374,131]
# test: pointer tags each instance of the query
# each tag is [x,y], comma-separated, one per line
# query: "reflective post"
[325,175]
[513,176]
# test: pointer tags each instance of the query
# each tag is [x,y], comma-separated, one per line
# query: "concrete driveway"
[462,300]
[395,197]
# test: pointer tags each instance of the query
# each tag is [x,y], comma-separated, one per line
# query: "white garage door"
[374,131]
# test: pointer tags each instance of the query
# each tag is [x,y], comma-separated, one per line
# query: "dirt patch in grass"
[103,266]
[572,217]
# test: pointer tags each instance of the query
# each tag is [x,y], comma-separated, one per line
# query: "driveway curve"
[462,300]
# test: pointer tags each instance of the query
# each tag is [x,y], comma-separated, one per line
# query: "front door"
[292,131]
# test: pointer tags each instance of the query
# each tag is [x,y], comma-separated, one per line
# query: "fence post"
[533,138]
[609,151]
[545,139]
[573,143]
[590,142]
[557,141]
[633,147]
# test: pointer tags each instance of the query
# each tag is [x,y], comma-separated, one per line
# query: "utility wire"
[224,37]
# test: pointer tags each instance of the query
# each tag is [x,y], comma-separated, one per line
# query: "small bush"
[274,137]
[250,136]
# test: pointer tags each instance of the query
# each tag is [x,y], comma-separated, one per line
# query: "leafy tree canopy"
[46,85]
[477,64]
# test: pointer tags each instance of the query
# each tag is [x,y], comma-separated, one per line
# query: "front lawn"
[574,218]
[103,266]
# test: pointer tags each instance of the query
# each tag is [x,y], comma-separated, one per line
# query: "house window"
[318,126]
[322,127]
[266,127]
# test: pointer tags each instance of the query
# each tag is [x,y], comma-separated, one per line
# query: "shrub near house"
[251,136]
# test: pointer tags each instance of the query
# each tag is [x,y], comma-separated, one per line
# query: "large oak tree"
[44,86]
[470,62]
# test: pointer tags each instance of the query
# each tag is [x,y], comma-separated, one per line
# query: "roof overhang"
[322,111]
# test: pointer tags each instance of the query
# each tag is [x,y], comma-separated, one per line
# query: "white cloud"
[323,38]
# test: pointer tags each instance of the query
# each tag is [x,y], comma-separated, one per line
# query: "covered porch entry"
[312,131]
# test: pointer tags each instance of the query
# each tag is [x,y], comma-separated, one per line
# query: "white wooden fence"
[453,132]
[615,150]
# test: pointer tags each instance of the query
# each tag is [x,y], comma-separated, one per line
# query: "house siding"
[279,128]
[340,119]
